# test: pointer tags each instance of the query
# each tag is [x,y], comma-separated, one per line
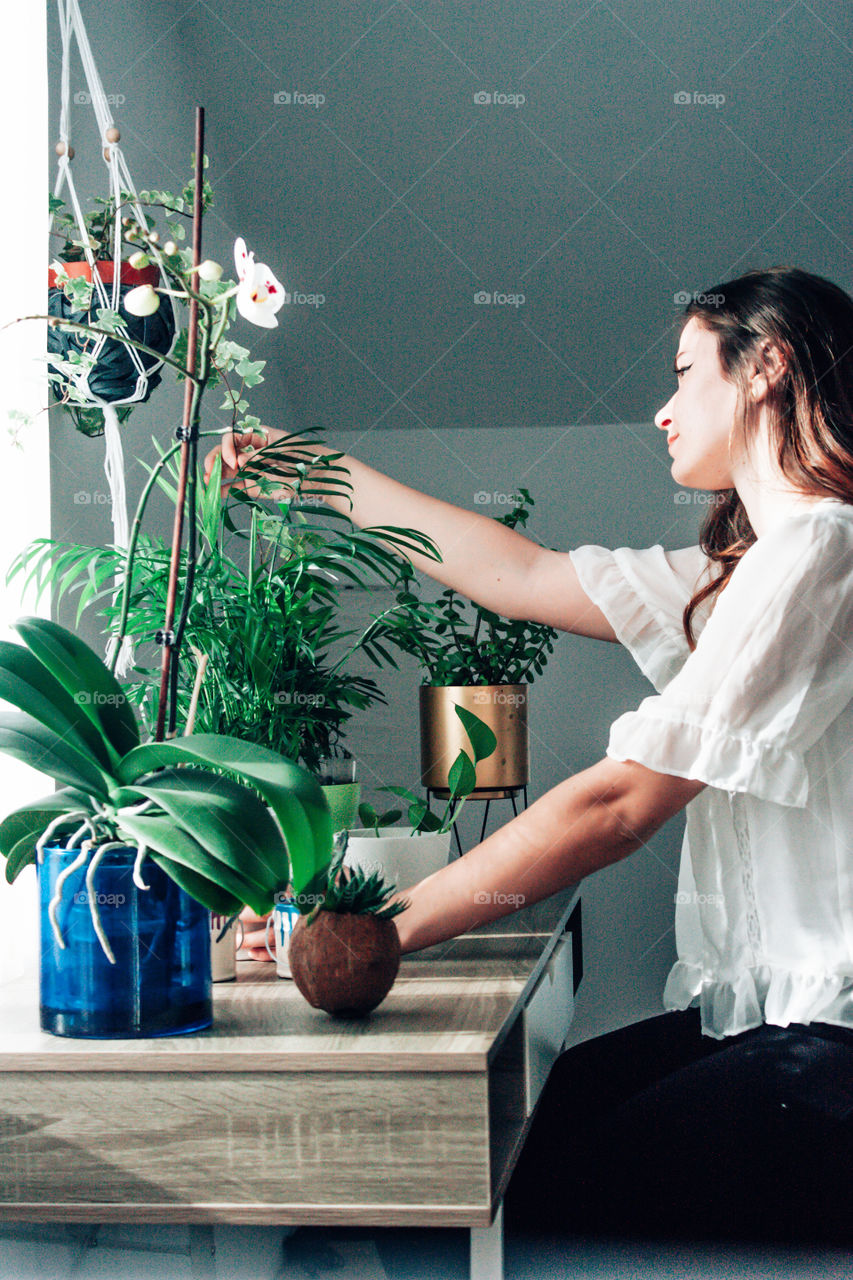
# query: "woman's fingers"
[237,449]
[255,934]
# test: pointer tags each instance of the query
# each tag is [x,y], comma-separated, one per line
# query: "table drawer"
[547,1018]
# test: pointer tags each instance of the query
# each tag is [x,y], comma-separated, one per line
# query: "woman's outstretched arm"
[594,818]
[481,558]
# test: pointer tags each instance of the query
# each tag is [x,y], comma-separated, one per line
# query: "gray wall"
[628,909]
[600,199]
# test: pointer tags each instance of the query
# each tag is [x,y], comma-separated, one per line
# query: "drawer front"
[547,1018]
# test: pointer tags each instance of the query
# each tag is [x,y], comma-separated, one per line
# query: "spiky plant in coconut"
[345,952]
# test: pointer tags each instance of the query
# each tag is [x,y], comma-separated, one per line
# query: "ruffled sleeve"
[643,594]
[773,666]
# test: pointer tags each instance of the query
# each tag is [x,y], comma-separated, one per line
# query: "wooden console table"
[279,1114]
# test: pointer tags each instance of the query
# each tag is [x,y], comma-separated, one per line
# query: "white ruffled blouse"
[761,712]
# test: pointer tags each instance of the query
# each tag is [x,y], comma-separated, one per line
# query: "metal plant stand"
[486,797]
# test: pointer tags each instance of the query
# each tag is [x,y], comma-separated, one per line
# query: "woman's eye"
[683,369]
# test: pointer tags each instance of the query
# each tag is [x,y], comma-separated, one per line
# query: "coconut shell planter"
[345,953]
[343,963]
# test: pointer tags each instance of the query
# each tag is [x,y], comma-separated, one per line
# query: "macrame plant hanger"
[72,28]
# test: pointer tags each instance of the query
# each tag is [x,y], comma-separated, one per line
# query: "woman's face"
[699,416]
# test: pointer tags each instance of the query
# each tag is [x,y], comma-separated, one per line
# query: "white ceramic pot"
[224,945]
[403,858]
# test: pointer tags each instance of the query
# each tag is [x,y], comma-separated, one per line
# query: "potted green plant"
[345,953]
[336,774]
[473,658]
[263,619]
[225,821]
[81,365]
[408,855]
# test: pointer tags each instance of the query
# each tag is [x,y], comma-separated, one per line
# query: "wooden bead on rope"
[112,134]
[60,149]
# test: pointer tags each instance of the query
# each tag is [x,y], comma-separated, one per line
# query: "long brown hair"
[810,321]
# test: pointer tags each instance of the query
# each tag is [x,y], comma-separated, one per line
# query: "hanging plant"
[84,368]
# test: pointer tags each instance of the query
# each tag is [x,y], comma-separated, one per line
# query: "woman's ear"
[767,369]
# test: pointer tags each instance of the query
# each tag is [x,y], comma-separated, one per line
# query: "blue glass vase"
[160,937]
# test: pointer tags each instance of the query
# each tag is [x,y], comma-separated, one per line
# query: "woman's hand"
[255,935]
[239,450]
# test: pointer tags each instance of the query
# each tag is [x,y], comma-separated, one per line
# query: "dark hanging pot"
[159,984]
[114,377]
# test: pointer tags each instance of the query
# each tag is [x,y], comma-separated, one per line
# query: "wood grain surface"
[279,1113]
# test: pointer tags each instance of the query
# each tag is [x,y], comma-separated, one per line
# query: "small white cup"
[283,918]
[223,947]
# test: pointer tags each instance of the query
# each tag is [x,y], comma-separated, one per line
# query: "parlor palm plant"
[264,617]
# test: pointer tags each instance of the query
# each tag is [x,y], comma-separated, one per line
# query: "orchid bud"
[138,260]
[209,270]
[169,248]
[141,301]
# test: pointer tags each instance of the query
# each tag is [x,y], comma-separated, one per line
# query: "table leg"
[487,1249]
[202,1251]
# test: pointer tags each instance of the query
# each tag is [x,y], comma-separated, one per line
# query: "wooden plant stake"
[188,435]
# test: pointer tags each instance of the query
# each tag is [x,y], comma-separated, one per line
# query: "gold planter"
[503,707]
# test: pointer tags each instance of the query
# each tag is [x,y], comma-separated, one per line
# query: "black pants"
[657,1131]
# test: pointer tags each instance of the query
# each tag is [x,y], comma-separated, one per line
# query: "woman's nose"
[663,417]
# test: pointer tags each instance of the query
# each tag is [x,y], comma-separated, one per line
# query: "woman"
[731,1114]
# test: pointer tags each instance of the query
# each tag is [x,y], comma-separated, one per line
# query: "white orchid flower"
[259,294]
[141,301]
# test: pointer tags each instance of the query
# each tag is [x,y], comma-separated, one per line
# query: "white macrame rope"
[72,27]
[71,24]
[114,469]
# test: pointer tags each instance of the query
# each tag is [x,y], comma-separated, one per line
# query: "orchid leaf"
[27,684]
[181,848]
[294,796]
[25,739]
[82,674]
